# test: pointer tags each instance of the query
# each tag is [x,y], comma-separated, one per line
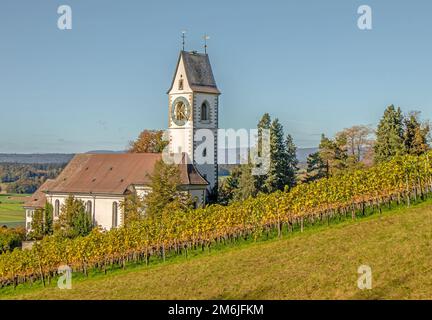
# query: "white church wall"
[102,207]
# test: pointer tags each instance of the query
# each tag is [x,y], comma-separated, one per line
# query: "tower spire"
[183,39]
[205,37]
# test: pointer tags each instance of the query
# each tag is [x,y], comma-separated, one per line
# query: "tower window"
[114,215]
[204,112]
[89,207]
[56,208]
[180,84]
[204,152]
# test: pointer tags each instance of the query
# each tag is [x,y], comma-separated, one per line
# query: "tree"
[48,219]
[277,178]
[263,124]
[42,222]
[416,134]
[316,168]
[37,225]
[166,191]
[149,141]
[245,183]
[228,186]
[357,140]
[73,221]
[132,208]
[390,135]
[291,160]
[333,154]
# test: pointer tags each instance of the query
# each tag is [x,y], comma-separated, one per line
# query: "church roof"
[114,173]
[198,72]
[38,199]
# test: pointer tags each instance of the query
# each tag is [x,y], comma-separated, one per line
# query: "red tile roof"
[114,173]
[38,199]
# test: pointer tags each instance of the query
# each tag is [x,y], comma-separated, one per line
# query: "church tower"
[193,105]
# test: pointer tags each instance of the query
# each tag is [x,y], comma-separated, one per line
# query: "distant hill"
[32,158]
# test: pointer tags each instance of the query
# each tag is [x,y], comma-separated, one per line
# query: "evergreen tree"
[263,124]
[48,219]
[333,154]
[277,178]
[390,135]
[316,168]
[416,135]
[228,186]
[245,183]
[292,162]
[42,222]
[73,221]
[37,225]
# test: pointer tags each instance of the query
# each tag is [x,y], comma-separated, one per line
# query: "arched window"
[56,208]
[204,112]
[89,207]
[204,152]
[180,84]
[114,215]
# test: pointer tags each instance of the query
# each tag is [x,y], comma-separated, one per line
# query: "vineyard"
[401,181]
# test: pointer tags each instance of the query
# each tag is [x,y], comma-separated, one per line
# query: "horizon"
[100,84]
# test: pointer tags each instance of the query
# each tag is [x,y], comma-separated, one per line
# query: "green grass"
[11,210]
[320,263]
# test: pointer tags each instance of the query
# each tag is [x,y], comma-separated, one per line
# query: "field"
[11,211]
[320,263]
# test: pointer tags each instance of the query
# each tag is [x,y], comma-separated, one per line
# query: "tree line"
[27,178]
[361,146]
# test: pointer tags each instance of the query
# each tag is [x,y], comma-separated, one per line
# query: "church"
[102,181]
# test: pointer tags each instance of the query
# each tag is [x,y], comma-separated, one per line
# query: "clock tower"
[193,105]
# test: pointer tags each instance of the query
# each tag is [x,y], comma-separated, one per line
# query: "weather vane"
[183,38]
[205,37]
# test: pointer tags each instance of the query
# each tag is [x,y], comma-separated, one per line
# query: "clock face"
[180,111]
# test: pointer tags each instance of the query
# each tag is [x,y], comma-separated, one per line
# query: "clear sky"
[305,61]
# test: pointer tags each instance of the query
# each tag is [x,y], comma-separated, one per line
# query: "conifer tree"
[316,168]
[277,178]
[390,135]
[416,134]
[263,124]
[48,219]
[245,183]
[292,162]
[73,221]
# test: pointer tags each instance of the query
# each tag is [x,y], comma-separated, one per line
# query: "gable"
[197,73]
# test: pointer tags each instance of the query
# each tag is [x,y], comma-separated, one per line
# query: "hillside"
[320,263]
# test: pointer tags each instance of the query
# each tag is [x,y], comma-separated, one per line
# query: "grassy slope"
[319,264]
[11,211]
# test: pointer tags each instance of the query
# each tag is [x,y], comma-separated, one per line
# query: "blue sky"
[306,62]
